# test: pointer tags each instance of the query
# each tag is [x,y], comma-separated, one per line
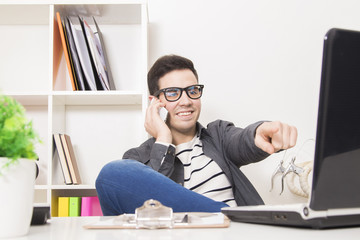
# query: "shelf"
[73,192]
[97,98]
[72,187]
[64,187]
[33,70]
[113,14]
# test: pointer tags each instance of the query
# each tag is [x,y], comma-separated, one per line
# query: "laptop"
[335,195]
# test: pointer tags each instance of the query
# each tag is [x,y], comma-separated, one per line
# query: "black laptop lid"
[336,179]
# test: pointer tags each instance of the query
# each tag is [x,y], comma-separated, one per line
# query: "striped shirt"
[202,174]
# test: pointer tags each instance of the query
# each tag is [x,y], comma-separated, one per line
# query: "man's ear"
[151,97]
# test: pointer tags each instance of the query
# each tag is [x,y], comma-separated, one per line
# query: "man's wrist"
[164,143]
[164,139]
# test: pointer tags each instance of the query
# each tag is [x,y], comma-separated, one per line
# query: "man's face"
[183,113]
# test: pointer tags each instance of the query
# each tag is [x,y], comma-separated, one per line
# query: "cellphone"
[162,112]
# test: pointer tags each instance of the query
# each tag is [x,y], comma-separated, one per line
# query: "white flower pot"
[17,197]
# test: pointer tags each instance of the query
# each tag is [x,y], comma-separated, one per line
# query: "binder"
[66,52]
[96,54]
[74,206]
[63,206]
[83,53]
[107,64]
[90,206]
[100,84]
[82,83]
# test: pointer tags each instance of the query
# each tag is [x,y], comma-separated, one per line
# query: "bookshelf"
[102,124]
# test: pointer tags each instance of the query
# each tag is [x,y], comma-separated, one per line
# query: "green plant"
[17,136]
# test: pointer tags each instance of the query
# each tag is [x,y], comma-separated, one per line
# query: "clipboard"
[154,215]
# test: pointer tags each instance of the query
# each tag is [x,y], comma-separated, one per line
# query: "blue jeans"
[124,185]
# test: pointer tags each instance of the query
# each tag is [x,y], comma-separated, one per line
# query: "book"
[63,206]
[90,206]
[74,206]
[96,54]
[99,84]
[83,53]
[77,77]
[82,83]
[66,53]
[62,159]
[103,49]
[70,158]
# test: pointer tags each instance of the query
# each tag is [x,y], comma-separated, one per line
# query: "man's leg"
[124,185]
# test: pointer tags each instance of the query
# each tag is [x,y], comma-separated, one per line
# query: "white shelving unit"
[102,124]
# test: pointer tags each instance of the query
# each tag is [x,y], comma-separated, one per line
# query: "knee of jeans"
[118,168]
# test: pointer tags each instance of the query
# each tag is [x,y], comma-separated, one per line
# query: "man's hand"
[154,125]
[274,136]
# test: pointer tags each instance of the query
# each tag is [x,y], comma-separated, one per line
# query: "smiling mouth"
[181,114]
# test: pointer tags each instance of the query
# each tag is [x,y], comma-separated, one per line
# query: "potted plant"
[17,168]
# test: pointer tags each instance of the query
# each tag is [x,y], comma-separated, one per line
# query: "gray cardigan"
[229,146]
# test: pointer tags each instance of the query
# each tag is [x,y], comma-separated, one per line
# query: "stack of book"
[85,54]
[79,206]
[67,159]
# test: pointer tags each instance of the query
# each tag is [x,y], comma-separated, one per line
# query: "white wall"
[258,59]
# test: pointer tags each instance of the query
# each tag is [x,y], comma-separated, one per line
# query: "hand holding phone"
[153,125]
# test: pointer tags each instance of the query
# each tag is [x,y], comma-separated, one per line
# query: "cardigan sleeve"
[155,155]
[237,144]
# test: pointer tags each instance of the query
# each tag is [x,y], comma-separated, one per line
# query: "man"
[184,165]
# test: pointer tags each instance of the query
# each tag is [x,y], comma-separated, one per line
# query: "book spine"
[63,209]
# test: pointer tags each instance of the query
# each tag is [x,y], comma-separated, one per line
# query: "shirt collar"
[201,130]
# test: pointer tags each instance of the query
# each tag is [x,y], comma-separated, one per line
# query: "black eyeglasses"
[173,94]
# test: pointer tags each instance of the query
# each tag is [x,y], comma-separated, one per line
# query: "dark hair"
[165,65]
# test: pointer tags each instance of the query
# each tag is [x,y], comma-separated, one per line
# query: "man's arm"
[158,156]
[255,142]
[239,144]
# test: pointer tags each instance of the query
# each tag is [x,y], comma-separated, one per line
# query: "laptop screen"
[336,179]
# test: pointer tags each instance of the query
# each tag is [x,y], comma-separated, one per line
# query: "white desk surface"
[72,228]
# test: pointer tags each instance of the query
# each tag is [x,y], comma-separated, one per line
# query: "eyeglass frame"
[158,92]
